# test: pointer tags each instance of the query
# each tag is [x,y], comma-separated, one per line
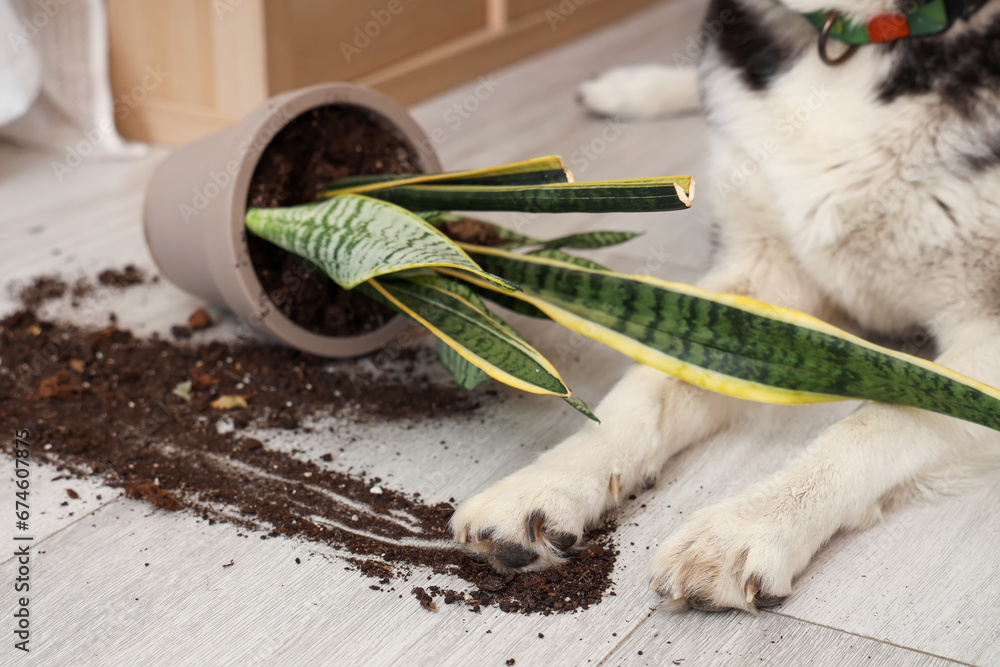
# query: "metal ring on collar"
[824,37]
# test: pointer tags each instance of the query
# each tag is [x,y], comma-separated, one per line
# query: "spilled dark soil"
[144,414]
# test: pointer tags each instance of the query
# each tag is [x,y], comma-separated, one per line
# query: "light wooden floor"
[921,588]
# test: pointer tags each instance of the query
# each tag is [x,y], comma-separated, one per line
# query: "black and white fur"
[882,208]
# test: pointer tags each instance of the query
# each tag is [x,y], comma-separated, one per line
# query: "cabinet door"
[174,37]
[311,41]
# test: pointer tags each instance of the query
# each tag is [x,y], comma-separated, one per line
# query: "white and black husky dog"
[878,205]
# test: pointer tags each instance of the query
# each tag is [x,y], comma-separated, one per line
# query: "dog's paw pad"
[533,544]
[510,556]
[533,519]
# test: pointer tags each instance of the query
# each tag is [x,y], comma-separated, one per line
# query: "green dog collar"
[929,18]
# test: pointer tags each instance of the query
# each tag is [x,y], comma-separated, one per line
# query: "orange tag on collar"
[886,27]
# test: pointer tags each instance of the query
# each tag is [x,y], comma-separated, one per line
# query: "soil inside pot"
[320,146]
[474,232]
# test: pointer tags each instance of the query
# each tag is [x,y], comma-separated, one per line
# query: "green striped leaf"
[557,175]
[550,169]
[590,240]
[582,407]
[355,238]
[453,313]
[736,345]
[560,256]
[468,376]
[508,302]
[649,194]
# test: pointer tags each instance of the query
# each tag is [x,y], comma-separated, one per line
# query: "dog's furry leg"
[744,552]
[642,91]
[535,517]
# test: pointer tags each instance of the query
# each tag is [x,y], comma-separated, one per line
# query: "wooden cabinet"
[516,8]
[311,40]
[185,68]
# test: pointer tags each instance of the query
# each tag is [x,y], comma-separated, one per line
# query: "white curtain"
[20,78]
[57,56]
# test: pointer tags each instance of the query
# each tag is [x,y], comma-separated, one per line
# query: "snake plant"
[381,235]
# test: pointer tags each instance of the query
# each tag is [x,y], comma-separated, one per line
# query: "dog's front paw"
[741,553]
[534,518]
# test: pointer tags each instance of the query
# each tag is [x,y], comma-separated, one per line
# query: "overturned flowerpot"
[281,154]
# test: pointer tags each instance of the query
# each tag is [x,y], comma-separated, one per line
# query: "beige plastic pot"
[195,207]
